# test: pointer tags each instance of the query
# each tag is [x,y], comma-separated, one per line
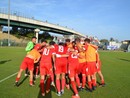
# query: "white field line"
[8,77]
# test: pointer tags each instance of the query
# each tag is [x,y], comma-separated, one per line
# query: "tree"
[112,39]
[104,41]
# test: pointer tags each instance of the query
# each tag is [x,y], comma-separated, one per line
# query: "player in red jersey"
[36,65]
[73,68]
[69,45]
[32,57]
[60,67]
[91,64]
[46,67]
[98,66]
[82,64]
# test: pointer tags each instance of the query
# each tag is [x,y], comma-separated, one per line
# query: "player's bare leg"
[101,78]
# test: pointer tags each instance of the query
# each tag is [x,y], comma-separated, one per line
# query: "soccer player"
[28,48]
[69,47]
[73,68]
[30,44]
[82,64]
[60,68]
[36,65]
[91,64]
[98,66]
[46,68]
[32,57]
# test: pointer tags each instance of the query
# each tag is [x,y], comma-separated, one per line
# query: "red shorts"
[61,67]
[73,69]
[98,68]
[90,68]
[45,68]
[27,63]
[81,68]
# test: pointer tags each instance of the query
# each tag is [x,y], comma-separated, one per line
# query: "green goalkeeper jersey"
[29,46]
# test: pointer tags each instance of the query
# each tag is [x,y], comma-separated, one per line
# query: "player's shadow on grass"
[124,59]
[48,95]
[4,61]
[21,82]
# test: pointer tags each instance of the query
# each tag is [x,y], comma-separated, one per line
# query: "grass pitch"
[115,68]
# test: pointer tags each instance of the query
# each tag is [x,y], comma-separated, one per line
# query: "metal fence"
[4,42]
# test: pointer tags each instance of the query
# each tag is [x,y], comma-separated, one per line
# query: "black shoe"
[103,84]
[16,84]
[94,87]
[89,90]
[80,89]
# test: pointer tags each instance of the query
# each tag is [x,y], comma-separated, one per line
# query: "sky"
[101,18]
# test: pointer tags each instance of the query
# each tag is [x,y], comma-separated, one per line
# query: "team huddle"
[63,65]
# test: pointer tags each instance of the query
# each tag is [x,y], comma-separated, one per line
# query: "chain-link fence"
[4,42]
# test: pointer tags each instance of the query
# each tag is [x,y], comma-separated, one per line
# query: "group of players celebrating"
[63,65]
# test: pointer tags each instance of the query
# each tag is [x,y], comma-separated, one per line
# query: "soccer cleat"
[16,84]
[74,96]
[53,84]
[62,91]
[94,88]
[26,75]
[103,84]
[89,90]
[59,94]
[80,89]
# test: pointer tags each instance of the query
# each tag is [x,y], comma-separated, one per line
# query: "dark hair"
[61,43]
[34,37]
[51,43]
[73,42]
[67,40]
[43,40]
[77,39]
[87,40]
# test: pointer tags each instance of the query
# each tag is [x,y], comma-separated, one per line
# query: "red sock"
[90,85]
[58,85]
[48,83]
[83,81]
[94,82]
[52,76]
[77,80]
[102,81]
[17,79]
[74,87]
[42,86]
[31,82]
[63,84]
[37,70]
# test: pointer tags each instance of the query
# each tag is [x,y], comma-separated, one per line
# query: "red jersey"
[47,55]
[60,49]
[73,58]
